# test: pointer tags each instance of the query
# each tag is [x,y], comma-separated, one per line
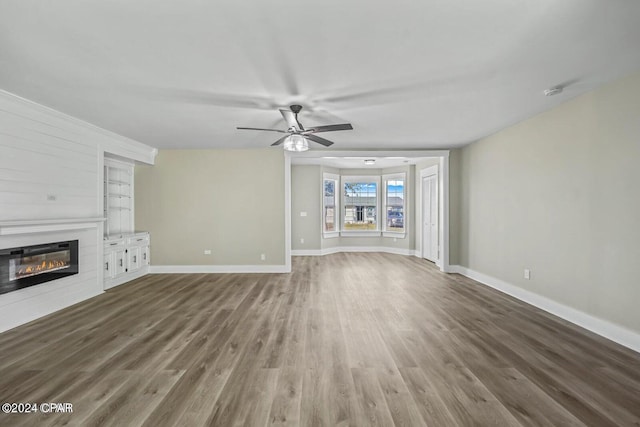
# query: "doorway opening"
[385,237]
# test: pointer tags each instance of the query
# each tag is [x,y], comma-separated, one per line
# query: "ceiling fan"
[297,135]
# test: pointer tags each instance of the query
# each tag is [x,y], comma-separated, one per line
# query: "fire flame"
[44,266]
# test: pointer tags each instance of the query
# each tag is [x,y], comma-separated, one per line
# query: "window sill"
[395,234]
[331,235]
[360,233]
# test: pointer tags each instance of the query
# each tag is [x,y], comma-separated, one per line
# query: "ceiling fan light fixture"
[296,143]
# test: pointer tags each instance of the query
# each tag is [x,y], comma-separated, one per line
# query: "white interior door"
[430,230]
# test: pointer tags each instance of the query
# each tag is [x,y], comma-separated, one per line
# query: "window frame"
[405,209]
[362,179]
[337,217]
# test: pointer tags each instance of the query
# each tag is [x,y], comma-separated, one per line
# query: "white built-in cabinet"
[126,252]
[126,258]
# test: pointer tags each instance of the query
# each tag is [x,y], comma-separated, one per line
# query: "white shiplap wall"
[51,168]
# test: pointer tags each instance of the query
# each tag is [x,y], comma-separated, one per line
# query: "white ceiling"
[406,74]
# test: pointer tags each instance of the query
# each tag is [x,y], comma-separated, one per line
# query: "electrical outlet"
[527,273]
[207,251]
[263,257]
[302,240]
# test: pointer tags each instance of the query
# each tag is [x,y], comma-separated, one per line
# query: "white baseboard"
[339,249]
[604,328]
[168,269]
[307,252]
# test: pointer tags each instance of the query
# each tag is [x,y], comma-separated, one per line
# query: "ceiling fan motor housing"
[295,108]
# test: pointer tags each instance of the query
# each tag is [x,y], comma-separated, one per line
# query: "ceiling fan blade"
[205,97]
[330,128]
[288,74]
[385,92]
[319,140]
[290,118]
[321,115]
[376,96]
[280,141]
[270,130]
[285,66]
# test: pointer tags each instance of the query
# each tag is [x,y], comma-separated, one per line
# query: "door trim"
[442,172]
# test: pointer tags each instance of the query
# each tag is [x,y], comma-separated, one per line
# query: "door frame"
[442,171]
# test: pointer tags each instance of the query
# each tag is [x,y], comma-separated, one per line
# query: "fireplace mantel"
[46,225]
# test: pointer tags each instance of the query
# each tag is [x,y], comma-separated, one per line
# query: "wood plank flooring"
[345,339]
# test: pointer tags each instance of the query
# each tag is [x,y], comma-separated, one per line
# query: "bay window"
[360,205]
[394,203]
[330,205]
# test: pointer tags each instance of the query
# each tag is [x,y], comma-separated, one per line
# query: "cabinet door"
[145,256]
[134,258]
[120,262]
[109,267]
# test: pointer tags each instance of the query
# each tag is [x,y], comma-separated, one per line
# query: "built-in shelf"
[47,225]
[126,252]
[118,196]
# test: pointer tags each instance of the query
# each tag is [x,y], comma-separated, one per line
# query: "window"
[394,201]
[329,205]
[371,205]
[360,204]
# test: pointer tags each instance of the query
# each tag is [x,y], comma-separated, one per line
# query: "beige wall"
[559,194]
[306,185]
[228,201]
[455,203]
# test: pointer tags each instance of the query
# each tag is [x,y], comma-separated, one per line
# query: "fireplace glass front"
[32,265]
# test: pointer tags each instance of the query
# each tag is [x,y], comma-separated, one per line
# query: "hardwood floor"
[346,339]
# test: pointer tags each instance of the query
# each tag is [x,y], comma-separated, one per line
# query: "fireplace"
[31,265]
